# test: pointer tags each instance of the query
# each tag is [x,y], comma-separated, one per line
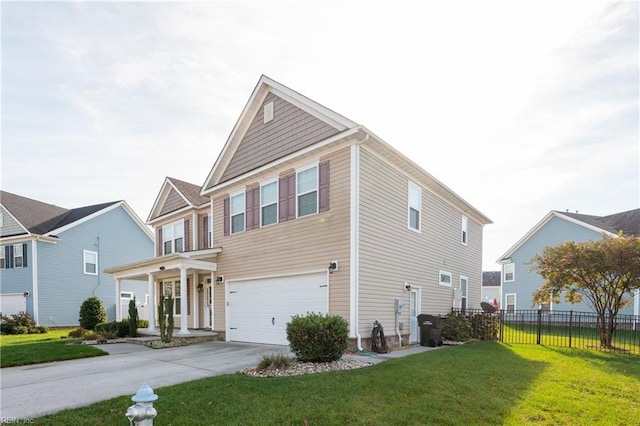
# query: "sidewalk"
[35,390]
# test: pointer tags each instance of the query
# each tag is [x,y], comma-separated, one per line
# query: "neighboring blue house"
[518,284]
[52,258]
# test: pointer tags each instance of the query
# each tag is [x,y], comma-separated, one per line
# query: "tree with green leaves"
[133,318]
[604,273]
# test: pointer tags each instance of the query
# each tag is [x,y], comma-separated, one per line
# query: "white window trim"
[504,272]
[445,273]
[18,248]
[172,225]
[506,300]
[463,278]
[84,261]
[176,298]
[317,189]
[276,202]
[243,212]
[464,231]
[3,264]
[414,186]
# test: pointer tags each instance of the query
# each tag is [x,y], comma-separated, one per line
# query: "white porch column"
[118,301]
[184,329]
[152,302]
[194,300]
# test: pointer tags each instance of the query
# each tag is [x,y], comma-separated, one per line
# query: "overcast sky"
[519,107]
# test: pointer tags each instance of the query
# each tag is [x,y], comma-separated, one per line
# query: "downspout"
[93,292]
[355,237]
[34,279]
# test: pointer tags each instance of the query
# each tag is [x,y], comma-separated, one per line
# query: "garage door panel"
[259,310]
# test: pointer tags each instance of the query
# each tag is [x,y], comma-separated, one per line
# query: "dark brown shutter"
[205,232]
[160,289]
[252,208]
[159,244]
[323,187]
[227,217]
[282,198]
[291,196]
[187,234]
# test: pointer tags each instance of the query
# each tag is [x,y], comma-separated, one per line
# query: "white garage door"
[12,304]
[258,310]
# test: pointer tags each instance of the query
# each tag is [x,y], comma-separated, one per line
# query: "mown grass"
[25,349]
[485,383]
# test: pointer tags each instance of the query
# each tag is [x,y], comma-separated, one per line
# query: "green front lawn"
[23,349]
[476,384]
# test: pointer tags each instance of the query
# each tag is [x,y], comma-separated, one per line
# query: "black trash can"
[430,330]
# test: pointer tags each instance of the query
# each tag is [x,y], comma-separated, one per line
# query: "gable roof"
[176,195]
[39,218]
[627,222]
[318,126]
[239,143]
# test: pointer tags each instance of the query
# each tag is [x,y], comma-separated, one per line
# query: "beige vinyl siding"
[300,245]
[391,254]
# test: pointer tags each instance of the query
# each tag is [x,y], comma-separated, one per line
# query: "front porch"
[187,276]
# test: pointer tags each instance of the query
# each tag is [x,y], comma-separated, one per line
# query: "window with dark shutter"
[252,207]
[287,197]
[24,255]
[187,240]
[159,241]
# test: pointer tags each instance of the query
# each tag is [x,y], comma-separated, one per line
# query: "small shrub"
[318,338]
[78,333]
[108,335]
[20,329]
[143,323]
[457,328]
[485,327]
[274,362]
[41,329]
[92,312]
[6,328]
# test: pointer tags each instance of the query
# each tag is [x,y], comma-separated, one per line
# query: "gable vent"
[268,112]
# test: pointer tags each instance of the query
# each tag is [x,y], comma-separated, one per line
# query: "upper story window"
[237,213]
[173,237]
[18,256]
[269,203]
[90,262]
[445,279]
[509,272]
[307,191]
[3,260]
[415,206]
[209,231]
[464,230]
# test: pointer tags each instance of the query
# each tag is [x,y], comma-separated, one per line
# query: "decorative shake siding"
[391,253]
[300,245]
[290,130]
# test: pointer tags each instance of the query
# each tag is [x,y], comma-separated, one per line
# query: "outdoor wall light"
[333,266]
[220,279]
[200,287]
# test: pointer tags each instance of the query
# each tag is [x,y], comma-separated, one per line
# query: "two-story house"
[51,258]
[519,282]
[306,211]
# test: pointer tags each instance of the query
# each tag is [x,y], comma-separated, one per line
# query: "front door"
[414,311]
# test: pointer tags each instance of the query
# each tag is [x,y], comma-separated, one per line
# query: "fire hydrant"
[142,413]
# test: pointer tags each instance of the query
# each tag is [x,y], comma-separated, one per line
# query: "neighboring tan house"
[51,258]
[306,211]
[491,287]
[519,283]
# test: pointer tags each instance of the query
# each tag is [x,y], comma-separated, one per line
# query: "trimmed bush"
[92,312]
[318,338]
[485,327]
[457,328]
[18,323]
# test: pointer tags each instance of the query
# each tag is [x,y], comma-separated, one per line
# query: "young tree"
[605,272]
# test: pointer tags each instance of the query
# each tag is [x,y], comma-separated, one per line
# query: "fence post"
[142,413]
[539,326]
[570,326]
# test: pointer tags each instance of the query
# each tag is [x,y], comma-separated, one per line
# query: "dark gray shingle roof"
[40,218]
[628,222]
[491,278]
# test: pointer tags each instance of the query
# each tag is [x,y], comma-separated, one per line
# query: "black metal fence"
[558,328]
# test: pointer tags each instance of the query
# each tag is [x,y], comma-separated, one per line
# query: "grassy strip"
[25,349]
[480,383]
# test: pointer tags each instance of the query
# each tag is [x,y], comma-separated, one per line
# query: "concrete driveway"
[35,390]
